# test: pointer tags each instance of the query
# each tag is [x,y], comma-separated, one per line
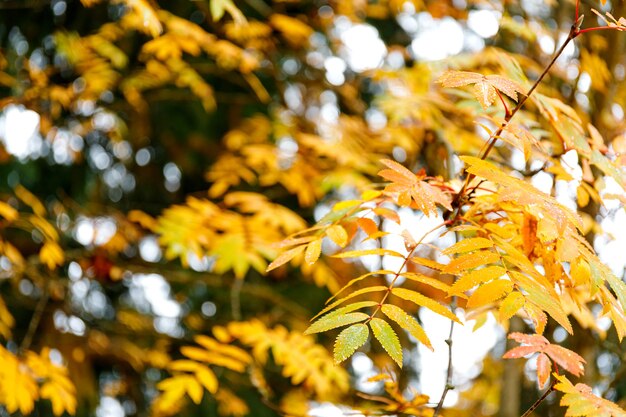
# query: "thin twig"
[449,372]
[540,399]
[34,321]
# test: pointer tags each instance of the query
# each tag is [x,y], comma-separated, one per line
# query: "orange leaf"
[543,369]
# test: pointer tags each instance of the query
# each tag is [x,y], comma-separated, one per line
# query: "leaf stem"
[574,31]
[540,399]
[406,261]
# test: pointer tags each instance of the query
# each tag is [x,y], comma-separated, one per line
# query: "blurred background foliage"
[152,153]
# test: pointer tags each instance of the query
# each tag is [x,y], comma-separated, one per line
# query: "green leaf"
[349,340]
[407,322]
[388,339]
[332,321]
[424,301]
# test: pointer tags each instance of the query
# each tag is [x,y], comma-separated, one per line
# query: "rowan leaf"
[338,234]
[568,360]
[410,186]
[407,322]
[490,292]
[581,401]
[285,257]
[424,301]
[511,305]
[349,308]
[543,369]
[349,340]
[475,277]
[467,245]
[361,278]
[332,321]
[470,261]
[352,295]
[485,85]
[366,252]
[313,251]
[387,338]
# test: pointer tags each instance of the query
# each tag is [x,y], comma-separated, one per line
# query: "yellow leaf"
[467,245]
[349,340]
[490,292]
[407,322]
[285,257]
[8,212]
[424,301]
[313,251]
[475,277]
[387,338]
[338,235]
[470,261]
[510,305]
[51,254]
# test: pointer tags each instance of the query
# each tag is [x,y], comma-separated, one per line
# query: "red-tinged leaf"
[467,245]
[490,292]
[566,359]
[520,352]
[338,235]
[543,369]
[285,257]
[407,322]
[485,85]
[475,277]
[365,252]
[408,185]
[470,261]
[424,301]
[313,251]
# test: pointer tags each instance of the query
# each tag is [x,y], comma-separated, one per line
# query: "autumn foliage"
[221,211]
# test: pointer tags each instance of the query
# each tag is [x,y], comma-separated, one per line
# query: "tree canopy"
[283,207]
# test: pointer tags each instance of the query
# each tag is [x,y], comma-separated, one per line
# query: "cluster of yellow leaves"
[25,380]
[240,234]
[581,401]
[192,375]
[396,401]
[50,253]
[302,360]
[307,166]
